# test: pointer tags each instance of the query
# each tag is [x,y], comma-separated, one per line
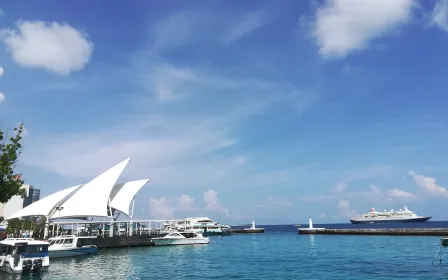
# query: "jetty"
[92,210]
[252,229]
[379,231]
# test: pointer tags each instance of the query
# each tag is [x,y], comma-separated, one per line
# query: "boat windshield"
[189,234]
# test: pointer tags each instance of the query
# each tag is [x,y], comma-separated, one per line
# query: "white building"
[18,202]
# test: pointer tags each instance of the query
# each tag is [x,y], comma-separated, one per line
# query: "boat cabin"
[25,247]
[70,241]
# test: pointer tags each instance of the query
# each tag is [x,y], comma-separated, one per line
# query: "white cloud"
[248,24]
[400,194]
[343,26]
[211,203]
[2,71]
[376,194]
[313,198]
[345,210]
[186,203]
[340,186]
[439,15]
[2,13]
[2,97]
[275,202]
[428,184]
[160,208]
[56,47]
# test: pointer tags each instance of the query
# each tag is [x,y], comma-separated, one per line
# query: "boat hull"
[391,221]
[6,268]
[172,241]
[214,233]
[72,252]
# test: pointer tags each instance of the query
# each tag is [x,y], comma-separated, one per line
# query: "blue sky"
[273,111]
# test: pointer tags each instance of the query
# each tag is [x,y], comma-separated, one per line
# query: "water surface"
[279,253]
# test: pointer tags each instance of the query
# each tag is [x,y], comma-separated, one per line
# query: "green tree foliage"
[10,150]
[15,225]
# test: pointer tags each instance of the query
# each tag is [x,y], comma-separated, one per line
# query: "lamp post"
[59,208]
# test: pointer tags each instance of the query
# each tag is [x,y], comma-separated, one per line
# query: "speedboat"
[181,238]
[23,255]
[71,246]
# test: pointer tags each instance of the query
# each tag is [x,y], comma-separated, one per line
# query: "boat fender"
[37,265]
[3,261]
[27,265]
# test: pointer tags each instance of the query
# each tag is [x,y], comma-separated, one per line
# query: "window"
[68,241]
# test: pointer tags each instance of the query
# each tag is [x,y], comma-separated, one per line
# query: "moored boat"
[23,255]
[401,216]
[70,246]
[181,238]
[204,226]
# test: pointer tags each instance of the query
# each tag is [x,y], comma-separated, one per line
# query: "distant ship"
[401,216]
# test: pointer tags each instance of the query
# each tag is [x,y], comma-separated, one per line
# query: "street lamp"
[59,208]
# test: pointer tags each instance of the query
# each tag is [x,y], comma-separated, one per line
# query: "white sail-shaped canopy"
[44,206]
[92,199]
[121,197]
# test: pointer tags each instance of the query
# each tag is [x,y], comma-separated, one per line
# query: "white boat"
[203,225]
[181,238]
[70,246]
[23,255]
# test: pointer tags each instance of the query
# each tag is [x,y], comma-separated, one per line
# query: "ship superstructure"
[400,216]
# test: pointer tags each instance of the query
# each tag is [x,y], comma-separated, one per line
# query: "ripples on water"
[272,255]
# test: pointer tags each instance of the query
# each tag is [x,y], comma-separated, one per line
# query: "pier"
[379,231]
[252,229]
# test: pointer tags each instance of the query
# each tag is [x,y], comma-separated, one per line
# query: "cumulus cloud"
[342,26]
[428,184]
[398,193]
[2,71]
[345,210]
[2,97]
[439,15]
[340,186]
[186,203]
[160,208]
[377,194]
[56,47]
[211,203]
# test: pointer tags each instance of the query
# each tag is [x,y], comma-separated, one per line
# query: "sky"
[237,110]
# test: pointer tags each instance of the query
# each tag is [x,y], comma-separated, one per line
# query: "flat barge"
[378,231]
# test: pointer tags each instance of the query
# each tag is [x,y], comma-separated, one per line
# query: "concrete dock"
[378,231]
[248,230]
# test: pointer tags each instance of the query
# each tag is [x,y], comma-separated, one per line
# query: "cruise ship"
[401,216]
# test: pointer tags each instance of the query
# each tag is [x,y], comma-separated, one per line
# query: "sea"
[279,253]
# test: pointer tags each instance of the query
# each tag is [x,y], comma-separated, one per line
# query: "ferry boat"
[401,216]
[23,255]
[204,226]
[70,246]
[181,238]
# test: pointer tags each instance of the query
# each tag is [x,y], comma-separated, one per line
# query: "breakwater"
[378,231]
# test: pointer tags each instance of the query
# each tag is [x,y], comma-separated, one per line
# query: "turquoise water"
[273,255]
